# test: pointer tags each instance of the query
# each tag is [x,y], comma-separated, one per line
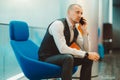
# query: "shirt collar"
[69,23]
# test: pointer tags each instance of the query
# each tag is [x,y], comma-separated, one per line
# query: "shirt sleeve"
[57,31]
[83,42]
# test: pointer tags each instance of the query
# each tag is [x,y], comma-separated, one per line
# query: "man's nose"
[80,15]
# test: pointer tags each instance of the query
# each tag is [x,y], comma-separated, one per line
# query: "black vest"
[48,47]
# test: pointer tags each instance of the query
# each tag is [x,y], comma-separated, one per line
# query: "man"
[55,47]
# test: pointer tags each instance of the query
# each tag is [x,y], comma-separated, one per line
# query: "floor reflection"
[109,67]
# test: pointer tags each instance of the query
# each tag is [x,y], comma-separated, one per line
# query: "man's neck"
[70,22]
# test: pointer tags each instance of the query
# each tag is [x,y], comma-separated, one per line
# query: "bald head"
[74,13]
[73,5]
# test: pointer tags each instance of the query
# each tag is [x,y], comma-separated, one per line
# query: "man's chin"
[77,22]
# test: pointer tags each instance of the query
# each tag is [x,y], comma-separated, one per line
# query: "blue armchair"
[26,53]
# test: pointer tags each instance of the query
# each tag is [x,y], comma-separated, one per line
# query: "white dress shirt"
[57,31]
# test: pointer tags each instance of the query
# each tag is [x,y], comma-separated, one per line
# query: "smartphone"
[82,21]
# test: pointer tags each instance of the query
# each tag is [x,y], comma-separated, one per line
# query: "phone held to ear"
[82,21]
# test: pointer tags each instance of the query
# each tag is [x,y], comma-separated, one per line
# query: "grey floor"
[108,68]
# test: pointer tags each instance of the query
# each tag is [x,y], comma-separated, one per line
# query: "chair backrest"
[19,34]
[19,31]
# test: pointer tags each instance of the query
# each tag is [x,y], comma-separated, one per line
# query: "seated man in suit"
[55,47]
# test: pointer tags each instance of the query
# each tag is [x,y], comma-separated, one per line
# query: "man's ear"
[68,12]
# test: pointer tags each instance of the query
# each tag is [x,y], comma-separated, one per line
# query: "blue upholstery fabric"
[101,50]
[100,46]
[19,30]
[26,53]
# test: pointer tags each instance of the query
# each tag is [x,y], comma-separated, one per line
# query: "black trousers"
[67,62]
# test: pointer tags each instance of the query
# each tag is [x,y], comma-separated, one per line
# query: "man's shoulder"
[61,19]
[57,24]
[58,21]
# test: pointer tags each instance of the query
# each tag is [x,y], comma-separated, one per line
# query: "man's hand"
[93,56]
[84,27]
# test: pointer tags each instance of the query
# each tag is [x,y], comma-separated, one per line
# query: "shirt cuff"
[82,54]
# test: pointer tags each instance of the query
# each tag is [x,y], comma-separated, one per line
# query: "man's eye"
[81,13]
[77,12]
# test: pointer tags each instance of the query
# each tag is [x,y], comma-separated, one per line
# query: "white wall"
[100,20]
[41,12]
[91,13]
[35,12]
[105,4]
[91,8]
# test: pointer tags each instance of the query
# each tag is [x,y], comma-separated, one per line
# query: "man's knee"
[69,57]
[88,62]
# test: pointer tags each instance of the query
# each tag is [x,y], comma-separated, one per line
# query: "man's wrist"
[85,33]
[86,55]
